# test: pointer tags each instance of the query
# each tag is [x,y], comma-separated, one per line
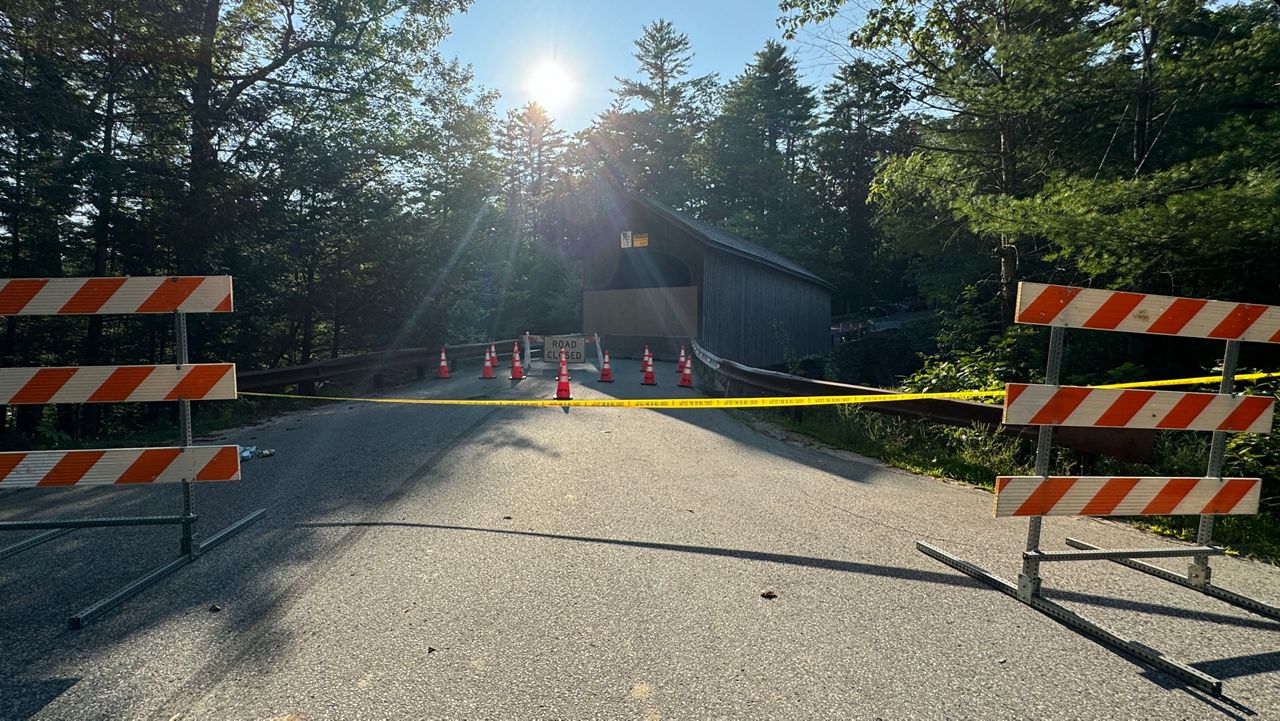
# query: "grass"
[976,455]
[963,454]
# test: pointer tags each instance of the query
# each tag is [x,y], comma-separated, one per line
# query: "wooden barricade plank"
[181,381]
[119,466]
[1045,405]
[112,296]
[1113,310]
[1115,496]
[118,384]
[1050,404]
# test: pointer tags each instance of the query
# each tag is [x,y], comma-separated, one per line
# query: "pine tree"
[758,150]
[531,147]
[856,134]
[652,140]
[991,82]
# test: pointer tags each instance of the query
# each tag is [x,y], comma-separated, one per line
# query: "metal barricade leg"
[1076,622]
[189,548]
[1029,579]
[1027,589]
[1199,574]
[33,541]
[93,611]
[1208,589]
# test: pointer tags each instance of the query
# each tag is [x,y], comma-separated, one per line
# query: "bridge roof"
[718,239]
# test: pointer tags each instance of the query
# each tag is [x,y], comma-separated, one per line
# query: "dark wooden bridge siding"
[741,301]
[756,315]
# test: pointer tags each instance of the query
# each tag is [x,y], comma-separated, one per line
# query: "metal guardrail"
[372,365]
[1120,443]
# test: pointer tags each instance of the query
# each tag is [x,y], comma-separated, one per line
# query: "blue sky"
[503,40]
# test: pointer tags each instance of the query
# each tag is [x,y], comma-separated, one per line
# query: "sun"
[549,86]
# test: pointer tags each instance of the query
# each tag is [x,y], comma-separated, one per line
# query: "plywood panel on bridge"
[654,312]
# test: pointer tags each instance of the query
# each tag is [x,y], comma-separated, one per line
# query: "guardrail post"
[1199,573]
[1029,579]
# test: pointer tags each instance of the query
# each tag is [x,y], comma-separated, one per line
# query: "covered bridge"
[656,275]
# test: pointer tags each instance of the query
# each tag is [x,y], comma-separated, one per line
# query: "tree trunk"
[104,207]
[1008,248]
[308,388]
[1145,102]
[1008,253]
[197,232]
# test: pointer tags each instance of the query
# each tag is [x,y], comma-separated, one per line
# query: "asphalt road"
[423,562]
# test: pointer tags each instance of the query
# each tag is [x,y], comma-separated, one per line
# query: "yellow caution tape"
[738,402]
[1202,380]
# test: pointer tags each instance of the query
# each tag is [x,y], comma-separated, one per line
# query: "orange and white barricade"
[115,296]
[1049,405]
[182,382]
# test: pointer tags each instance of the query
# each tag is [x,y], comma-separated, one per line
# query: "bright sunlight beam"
[549,86]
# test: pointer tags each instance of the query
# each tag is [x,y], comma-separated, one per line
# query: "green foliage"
[322,153]
[647,138]
[1199,228]
[880,360]
[977,455]
[665,60]
[1117,145]
[976,352]
[972,455]
[755,153]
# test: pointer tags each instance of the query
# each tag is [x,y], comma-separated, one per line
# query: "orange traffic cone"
[517,370]
[646,356]
[493,353]
[443,371]
[649,379]
[686,375]
[606,373]
[562,385]
[487,373]
[680,365]
[515,354]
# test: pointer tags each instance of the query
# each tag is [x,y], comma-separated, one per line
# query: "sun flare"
[549,86]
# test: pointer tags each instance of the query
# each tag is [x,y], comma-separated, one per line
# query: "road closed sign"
[574,347]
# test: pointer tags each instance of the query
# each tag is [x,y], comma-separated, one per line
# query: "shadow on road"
[22,698]
[828,564]
[337,463]
[1238,666]
[521,442]
[723,423]
[1162,610]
